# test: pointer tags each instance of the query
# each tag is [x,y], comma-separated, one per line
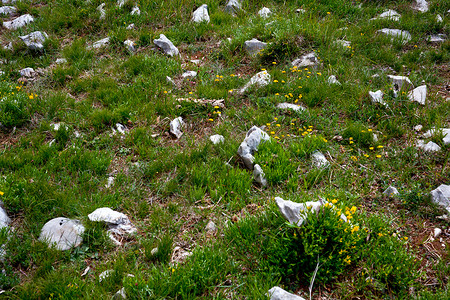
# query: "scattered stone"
[391,191]
[18,22]
[389,14]
[294,107]
[27,72]
[8,2]
[343,43]
[211,227]
[377,97]
[190,74]
[277,293]
[105,274]
[166,45]
[120,294]
[260,79]
[319,160]
[203,101]
[264,13]
[109,182]
[439,19]
[419,94]
[300,11]
[437,38]
[421,5]
[175,127]
[418,127]
[400,82]
[441,196]
[4,219]
[428,147]
[250,145]
[403,35]
[120,129]
[61,61]
[154,251]
[259,176]
[118,223]
[333,80]
[135,11]
[56,126]
[63,233]
[170,80]
[445,133]
[233,6]
[121,3]
[201,14]
[195,61]
[9,47]
[7,10]
[130,45]
[99,44]
[437,232]
[179,255]
[254,46]
[34,40]
[217,139]
[102,11]
[131,26]
[307,60]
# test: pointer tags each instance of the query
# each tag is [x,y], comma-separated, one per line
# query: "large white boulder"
[64,233]
[35,40]
[18,22]
[419,94]
[201,14]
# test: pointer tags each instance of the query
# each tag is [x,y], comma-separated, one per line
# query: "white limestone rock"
[418,127]
[216,139]
[4,2]
[343,43]
[18,22]
[4,219]
[60,61]
[389,15]
[260,79]
[419,94]
[130,27]
[166,45]
[35,40]
[307,60]
[135,11]
[120,295]
[403,35]
[441,196]
[294,107]
[377,97]
[391,191]
[175,127]
[201,14]
[63,233]
[264,12]
[121,3]
[428,147]
[437,38]
[249,146]
[7,10]
[439,19]
[109,182]
[211,227]
[445,133]
[121,129]
[118,223]
[421,5]
[437,232]
[294,212]
[254,46]
[400,82]
[333,80]
[27,72]
[233,6]
[319,160]
[130,45]
[105,274]
[189,74]
[277,293]
[259,176]
[100,43]
[102,11]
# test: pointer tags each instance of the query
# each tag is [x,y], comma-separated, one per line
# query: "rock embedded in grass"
[7,10]
[105,274]
[64,233]
[343,43]
[175,127]
[135,11]
[254,46]
[255,136]
[101,10]
[419,94]
[130,45]
[120,294]
[264,12]
[233,6]
[166,45]
[445,133]
[190,74]
[377,97]
[259,80]
[294,107]
[389,15]
[307,60]
[333,80]
[18,22]
[437,38]
[421,5]
[216,139]
[391,191]
[400,83]
[259,176]
[27,72]
[319,160]
[35,40]
[118,223]
[403,35]
[100,43]
[437,232]
[277,293]
[439,19]
[60,61]
[441,196]
[211,228]
[4,219]
[201,14]
[428,147]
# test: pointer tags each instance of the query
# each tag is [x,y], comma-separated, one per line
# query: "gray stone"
[233,6]
[211,227]
[400,82]
[445,133]
[437,38]
[130,45]
[175,127]
[109,182]
[118,223]
[437,232]
[277,293]
[419,94]
[418,127]
[217,139]
[201,14]
[260,79]
[18,22]
[389,14]
[343,43]
[100,43]
[439,19]
[120,294]
[63,233]
[259,176]
[135,11]
[421,5]
[391,191]
[131,26]
[441,196]
[319,160]
[333,80]
[403,35]
[61,61]
[4,219]
[377,97]
[121,3]
[307,60]
[253,46]
[250,145]
[294,107]
[166,45]
[190,74]
[264,13]
[35,40]
[7,10]
[105,274]
[101,10]
[27,72]
[428,147]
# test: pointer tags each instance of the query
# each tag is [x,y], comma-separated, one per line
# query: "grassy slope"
[172,188]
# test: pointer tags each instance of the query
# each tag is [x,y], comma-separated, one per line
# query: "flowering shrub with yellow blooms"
[15,105]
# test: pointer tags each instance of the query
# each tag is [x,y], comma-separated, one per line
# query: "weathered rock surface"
[233,6]
[118,223]
[343,43]
[400,82]
[250,145]
[201,14]
[428,147]
[333,80]
[135,11]
[437,232]
[109,182]
[437,38]
[130,45]
[260,79]
[259,176]
[445,133]
[63,233]
[34,40]
[391,191]
[27,72]
[307,60]
[211,227]
[377,97]
[439,19]
[441,196]
[120,294]
[7,10]
[18,22]
[294,107]
[419,94]
[190,74]
[421,5]
[175,127]
[166,45]
[403,35]
[253,46]
[60,61]
[102,11]
[216,139]
[389,14]
[4,219]
[100,43]
[277,293]
[264,12]
[319,160]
